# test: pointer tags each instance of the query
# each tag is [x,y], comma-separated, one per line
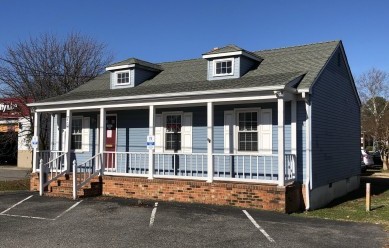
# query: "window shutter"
[186,132]
[85,134]
[158,133]
[228,131]
[63,128]
[265,134]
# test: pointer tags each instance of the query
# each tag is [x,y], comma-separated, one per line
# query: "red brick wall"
[267,197]
[34,182]
[247,195]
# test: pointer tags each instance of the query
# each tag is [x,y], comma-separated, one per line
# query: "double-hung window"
[123,78]
[223,67]
[247,131]
[76,134]
[173,132]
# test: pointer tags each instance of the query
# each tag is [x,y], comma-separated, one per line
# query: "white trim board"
[162,96]
[146,104]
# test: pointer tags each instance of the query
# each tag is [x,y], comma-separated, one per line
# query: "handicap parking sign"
[34,142]
[150,143]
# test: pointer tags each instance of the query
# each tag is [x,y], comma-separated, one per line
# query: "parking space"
[113,222]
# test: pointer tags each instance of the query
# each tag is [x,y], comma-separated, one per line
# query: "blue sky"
[159,31]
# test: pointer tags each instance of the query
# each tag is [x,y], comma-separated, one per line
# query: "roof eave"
[161,96]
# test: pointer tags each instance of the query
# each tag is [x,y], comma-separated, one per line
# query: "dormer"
[131,72]
[230,62]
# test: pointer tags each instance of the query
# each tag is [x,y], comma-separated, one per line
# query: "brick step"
[68,191]
[63,187]
[69,183]
[70,177]
[63,195]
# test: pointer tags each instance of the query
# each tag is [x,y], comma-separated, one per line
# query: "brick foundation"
[259,196]
[248,195]
[34,182]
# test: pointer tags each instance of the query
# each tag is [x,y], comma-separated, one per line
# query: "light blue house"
[285,118]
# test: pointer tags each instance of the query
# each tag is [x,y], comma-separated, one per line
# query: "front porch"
[237,142]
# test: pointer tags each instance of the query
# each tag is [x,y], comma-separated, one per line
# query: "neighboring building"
[13,147]
[275,129]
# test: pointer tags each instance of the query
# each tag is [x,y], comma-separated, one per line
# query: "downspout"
[308,180]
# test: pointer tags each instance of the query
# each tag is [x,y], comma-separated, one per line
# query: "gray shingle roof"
[279,66]
[136,61]
[231,48]
[226,49]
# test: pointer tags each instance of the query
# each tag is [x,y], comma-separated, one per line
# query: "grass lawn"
[21,184]
[352,207]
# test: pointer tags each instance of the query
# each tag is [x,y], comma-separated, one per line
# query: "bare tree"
[48,66]
[374,91]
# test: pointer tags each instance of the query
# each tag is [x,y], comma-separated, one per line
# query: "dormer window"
[123,78]
[223,67]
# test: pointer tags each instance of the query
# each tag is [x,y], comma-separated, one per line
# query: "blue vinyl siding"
[246,65]
[141,75]
[132,130]
[335,125]
[288,135]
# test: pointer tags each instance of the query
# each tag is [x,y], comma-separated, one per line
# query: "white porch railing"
[262,168]
[136,163]
[290,167]
[46,156]
[187,165]
[55,168]
[84,172]
[230,167]
[246,167]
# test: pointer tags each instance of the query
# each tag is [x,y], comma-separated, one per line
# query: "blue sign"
[150,143]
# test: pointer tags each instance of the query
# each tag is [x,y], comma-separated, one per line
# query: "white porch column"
[68,138]
[102,136]
[151,133]
[294,127]
[281,140]
[35,161]
[58,131]
[51,132]
[210,141]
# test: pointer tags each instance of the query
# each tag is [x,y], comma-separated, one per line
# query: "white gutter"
[166,95]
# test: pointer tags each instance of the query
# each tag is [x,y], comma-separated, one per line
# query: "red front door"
[110,142]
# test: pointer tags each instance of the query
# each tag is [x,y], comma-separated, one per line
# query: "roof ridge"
[182,60]
[308,44]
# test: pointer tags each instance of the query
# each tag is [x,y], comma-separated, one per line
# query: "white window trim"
[71,133]
[223,60]
[236,129]
[122,84]
[164,115]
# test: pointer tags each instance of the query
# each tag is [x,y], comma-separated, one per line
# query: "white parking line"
[152,217]
[16,204]
[34,217]
[28,217]
[258,226]
[67,210]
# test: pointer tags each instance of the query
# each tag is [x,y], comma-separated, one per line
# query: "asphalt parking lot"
[28,220]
